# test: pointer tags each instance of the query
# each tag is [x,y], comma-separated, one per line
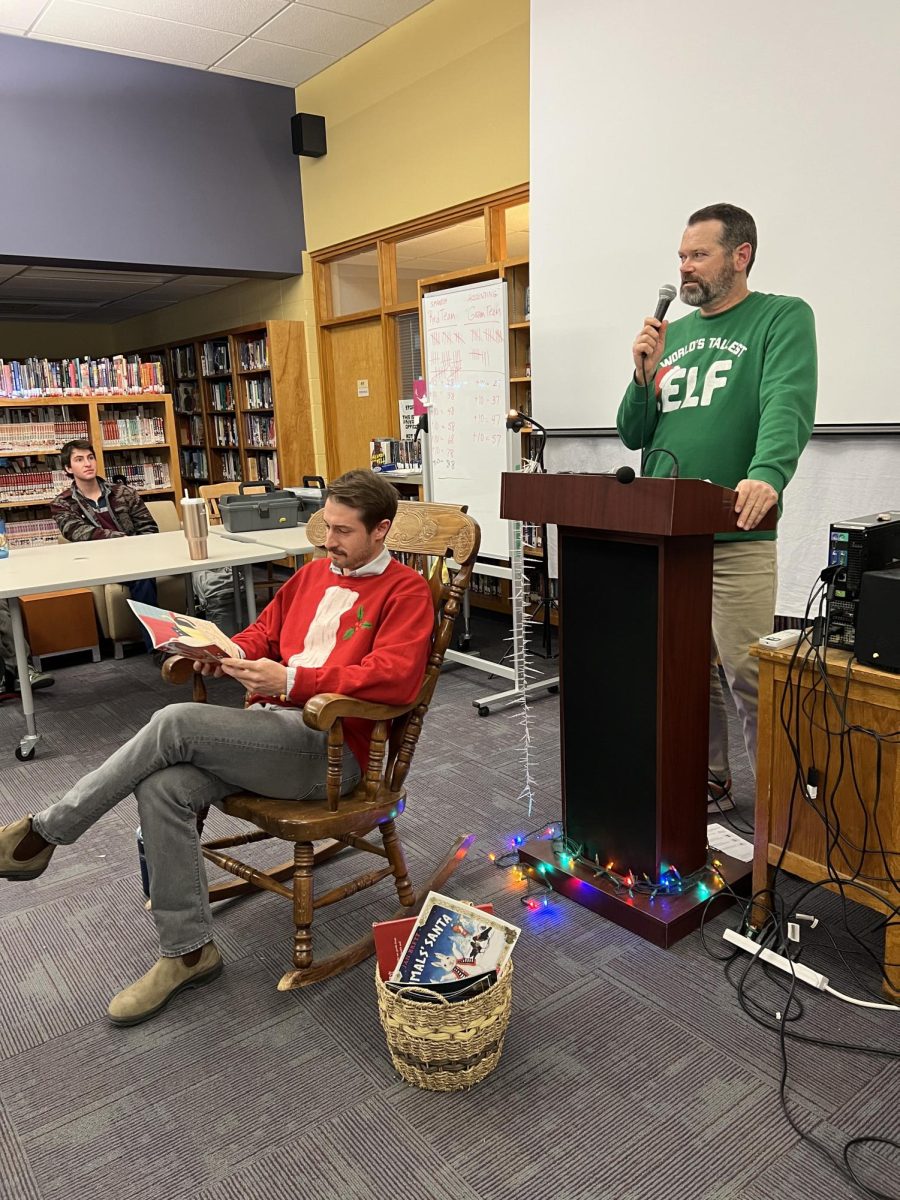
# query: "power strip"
[784,637]
[814,978]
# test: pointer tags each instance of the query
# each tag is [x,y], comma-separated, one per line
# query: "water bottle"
[142,862]
[4,544]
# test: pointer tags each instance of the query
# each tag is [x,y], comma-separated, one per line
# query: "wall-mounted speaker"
[308,135]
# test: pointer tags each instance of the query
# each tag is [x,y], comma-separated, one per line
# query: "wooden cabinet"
[850,830]
[133,436]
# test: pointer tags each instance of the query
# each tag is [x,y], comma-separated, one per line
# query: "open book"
[177,633]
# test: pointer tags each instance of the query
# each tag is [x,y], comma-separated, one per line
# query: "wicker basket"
[444,1047]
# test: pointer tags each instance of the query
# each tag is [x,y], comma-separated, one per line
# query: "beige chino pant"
[743,611]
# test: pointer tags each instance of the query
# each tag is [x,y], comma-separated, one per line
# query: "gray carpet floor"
[628,1071]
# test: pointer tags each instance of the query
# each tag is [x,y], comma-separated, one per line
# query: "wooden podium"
[635,602]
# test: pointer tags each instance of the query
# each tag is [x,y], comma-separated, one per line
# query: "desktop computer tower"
[859,545]
[878,620]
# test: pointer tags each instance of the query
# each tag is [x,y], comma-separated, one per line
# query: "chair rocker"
[423,533]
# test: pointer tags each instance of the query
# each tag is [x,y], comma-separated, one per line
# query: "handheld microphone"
[667,294]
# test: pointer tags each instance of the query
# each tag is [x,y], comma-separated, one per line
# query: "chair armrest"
[321,712]
[177,669]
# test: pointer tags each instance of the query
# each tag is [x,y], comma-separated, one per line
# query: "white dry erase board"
[465,348]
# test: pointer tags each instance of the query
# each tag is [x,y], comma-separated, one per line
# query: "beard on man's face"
[697,292]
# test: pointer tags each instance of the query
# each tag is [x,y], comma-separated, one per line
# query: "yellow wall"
[431,113]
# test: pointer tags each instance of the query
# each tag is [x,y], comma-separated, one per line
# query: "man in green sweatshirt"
[728,391]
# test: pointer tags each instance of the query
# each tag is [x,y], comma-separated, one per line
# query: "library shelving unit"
[515,272]
[132,435]
[190,420]
[241,405]
[272,404]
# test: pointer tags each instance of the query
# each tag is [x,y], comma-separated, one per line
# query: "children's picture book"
[177,633]
[453,992]
[451,940]
[392,936]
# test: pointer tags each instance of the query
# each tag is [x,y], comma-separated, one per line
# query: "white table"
[65,565]
[291,541]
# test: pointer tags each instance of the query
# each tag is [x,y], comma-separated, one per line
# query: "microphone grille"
[668,292]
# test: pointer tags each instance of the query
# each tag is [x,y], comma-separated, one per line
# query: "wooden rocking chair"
[424,533]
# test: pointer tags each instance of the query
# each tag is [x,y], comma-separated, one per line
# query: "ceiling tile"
[315,29]
[110,29]
[277,64]
[229,16]
[382,12]
[18,14]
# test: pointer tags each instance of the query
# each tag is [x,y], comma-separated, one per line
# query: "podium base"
[663,920]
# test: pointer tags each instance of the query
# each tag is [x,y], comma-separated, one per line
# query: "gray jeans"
[187,757]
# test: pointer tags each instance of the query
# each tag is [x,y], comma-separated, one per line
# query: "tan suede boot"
[166,979]
[15,868]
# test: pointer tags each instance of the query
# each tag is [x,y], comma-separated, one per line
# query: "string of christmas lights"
[670,882]
[522,655]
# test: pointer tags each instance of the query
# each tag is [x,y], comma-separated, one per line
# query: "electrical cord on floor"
[786,1017]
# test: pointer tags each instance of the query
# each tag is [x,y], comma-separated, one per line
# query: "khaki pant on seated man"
[357,622]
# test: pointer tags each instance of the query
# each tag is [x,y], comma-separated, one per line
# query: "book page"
[183,634]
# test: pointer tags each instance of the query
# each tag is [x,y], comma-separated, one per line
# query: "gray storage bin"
[311,498]
[273,509]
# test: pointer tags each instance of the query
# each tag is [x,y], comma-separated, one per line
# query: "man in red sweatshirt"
[357,622]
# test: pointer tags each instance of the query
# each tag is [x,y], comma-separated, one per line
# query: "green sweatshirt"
[734,396]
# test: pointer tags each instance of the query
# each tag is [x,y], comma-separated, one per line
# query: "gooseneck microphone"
[623,474]
[667,294]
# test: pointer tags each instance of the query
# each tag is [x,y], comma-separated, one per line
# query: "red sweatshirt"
[366,637]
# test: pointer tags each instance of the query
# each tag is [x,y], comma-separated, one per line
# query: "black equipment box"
[878,620]
[272,509]
[862,544]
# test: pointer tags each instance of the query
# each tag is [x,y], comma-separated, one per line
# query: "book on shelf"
[214,357]
[187,398]
[452,940]
[177,633]
[254,354]
[404,454]
[120,374]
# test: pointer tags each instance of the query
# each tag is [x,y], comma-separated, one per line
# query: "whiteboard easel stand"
[517,672]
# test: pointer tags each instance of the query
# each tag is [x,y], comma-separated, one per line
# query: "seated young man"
[356,622]
[92,508]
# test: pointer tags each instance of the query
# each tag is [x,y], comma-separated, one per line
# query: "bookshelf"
[132,435]
[516,274]
[241,405]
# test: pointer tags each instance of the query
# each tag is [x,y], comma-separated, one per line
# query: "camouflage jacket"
[78,522]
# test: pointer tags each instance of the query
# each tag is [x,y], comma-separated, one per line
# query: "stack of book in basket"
[444,991]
